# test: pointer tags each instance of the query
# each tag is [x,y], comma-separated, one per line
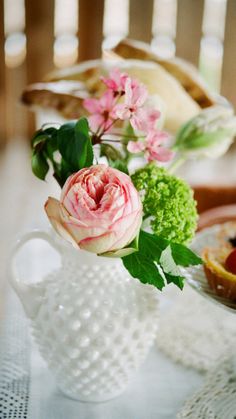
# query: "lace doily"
[14,362]
[196,332]
[217,397]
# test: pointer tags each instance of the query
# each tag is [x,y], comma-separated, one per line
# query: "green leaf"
[64,171]
[144,269]
[183,256]
[39,165]
[52,140]
[177,280]
[151,245]
[39,140]
[171,270]
[114,157]
[49,150]
[157,260]
[43,144]
[167,262]
[110,152]
[120,165]
[85,144]
[75,145]
[43,135]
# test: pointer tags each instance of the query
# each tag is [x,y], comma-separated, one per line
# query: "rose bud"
[99,211]
[208,134]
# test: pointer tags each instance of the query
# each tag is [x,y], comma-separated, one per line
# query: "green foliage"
[39,165]
[183,256]
[157,261]
[114,157]
[110,152]
[213,126]
[119,165]
[194,140]
[73,143]
[144,269]
[43,147]
[169,203]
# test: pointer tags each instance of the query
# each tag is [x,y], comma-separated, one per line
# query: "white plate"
[196,276]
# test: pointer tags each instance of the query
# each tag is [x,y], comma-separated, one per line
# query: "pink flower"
[99,210]
[116,81]
[147,119]
[101,110]
[152,147]
[135,96]
[136,146]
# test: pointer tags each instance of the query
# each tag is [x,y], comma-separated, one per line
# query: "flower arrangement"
[148,217]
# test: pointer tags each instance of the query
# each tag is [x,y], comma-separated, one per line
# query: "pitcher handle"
[21,286]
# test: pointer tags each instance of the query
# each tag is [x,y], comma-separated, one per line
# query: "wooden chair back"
[178,26]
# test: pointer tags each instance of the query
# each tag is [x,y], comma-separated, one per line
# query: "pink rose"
[99,210]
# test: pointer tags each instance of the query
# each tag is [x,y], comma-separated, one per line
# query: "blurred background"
[37,36]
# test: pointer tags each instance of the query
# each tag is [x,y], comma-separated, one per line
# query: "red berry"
[230,262]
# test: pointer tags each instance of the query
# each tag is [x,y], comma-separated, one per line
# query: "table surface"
[159,389]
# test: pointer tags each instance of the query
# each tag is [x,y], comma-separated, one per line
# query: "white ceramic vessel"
[93,323]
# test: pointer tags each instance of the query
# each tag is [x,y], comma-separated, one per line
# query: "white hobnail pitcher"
[93,323]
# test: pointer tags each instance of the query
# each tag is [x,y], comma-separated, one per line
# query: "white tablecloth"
[158,391]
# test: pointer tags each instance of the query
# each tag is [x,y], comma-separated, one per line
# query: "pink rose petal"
[99,209]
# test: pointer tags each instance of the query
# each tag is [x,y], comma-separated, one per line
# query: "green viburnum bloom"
[209,134]
[167,202]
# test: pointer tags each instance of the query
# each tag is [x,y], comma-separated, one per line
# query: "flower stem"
[106,140]
[109,126]
[128,136]
[176,164]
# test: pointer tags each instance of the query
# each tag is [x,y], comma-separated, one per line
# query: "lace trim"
[14,362]
[217,398]
[196,332]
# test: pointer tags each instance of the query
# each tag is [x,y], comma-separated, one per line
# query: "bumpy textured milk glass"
[93,323]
